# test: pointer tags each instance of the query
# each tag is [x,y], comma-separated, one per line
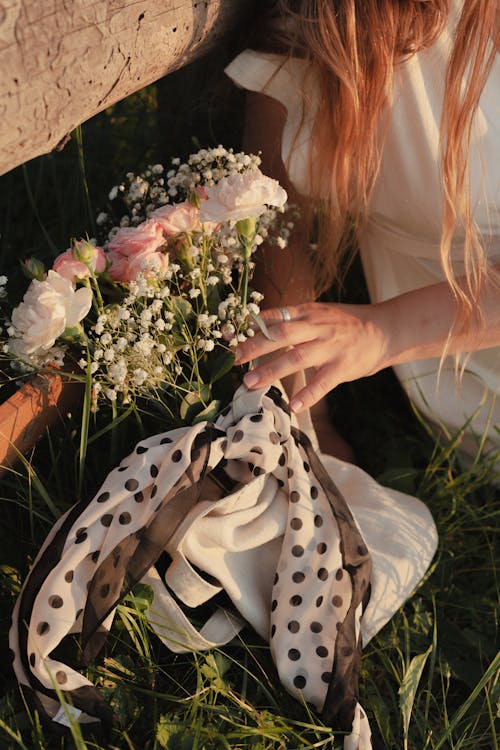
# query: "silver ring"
[285,314]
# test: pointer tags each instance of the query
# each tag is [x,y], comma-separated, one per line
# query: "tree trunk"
[63,62]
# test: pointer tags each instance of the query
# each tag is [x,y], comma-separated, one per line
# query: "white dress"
[400,246]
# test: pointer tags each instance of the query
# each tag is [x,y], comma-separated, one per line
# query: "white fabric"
[400,247]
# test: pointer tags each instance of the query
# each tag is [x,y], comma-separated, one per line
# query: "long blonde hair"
[354,47]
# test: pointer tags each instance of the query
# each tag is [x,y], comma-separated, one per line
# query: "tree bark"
[63,61]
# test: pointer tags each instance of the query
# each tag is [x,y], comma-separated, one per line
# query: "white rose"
[47,309]
[241,196]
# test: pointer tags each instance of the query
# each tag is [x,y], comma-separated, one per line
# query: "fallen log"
[61,63]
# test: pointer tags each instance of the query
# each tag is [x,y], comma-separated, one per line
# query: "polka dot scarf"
[243,507]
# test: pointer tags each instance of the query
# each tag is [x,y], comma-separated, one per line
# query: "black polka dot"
[95,556]
[104,590]
[298,576]
[295,600]
[68,577]
[322,651]
[81,535]
[103,497]
[280,483]
[289,472]
[274,437]
[338,625]
[296,524]
[362,550]
[251,466]
[122,468]
[276,579]
[322,574]
[256,418]
[61,677]
[258,470]
[273,630]
[282,459]
[153,471]
[176,456]
[321,548]
[42,628]
[326,677]
[294,496]
[124,518]
[293,626]
[337,601]
[339,574]
[107,519]
[316,627]
[138,497]
[154,490]
[238,436]
[306,466]
[141,449]
[131,484]
[297,550]
[314,492]
[299,681]
[257,449]
[32,659]
[55,601]
[319,601]
[318,521]
[165,440]
[294,654]
[274,604]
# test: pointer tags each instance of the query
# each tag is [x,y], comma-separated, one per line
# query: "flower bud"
[33,269]
[83,251]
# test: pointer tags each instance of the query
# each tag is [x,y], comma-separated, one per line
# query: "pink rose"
[180,217]
[146,238]
[125,268]
[67,265]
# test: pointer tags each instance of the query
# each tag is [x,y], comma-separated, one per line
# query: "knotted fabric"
[242,506]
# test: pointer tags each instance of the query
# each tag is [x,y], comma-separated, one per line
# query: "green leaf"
[181,308]
[193,403]
[170,734]
[262,326]
[221,364]
[209,414]
[409,686]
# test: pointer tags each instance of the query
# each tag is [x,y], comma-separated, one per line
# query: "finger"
[324,381]
[284,334]
[295,359]
[275,313]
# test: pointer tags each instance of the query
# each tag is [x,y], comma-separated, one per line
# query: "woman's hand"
[341,342]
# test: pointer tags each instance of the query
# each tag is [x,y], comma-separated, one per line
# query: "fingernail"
[237,356]
[251,379]
[296,405]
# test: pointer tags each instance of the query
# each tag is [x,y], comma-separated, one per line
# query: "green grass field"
[429,679]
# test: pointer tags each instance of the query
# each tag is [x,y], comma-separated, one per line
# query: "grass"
[429,679]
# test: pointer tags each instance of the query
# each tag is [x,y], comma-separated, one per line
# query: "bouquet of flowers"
[155,309]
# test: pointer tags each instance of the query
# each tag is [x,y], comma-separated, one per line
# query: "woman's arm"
[282,276]
[346,342]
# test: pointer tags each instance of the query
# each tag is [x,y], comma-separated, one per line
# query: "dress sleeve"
[289,81]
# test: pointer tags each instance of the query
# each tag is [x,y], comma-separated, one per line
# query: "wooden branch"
[26,415]
[63,62]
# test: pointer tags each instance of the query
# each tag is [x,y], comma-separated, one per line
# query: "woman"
[385,112]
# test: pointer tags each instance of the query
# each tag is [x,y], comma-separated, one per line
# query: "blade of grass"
[84,433]
[466,705]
